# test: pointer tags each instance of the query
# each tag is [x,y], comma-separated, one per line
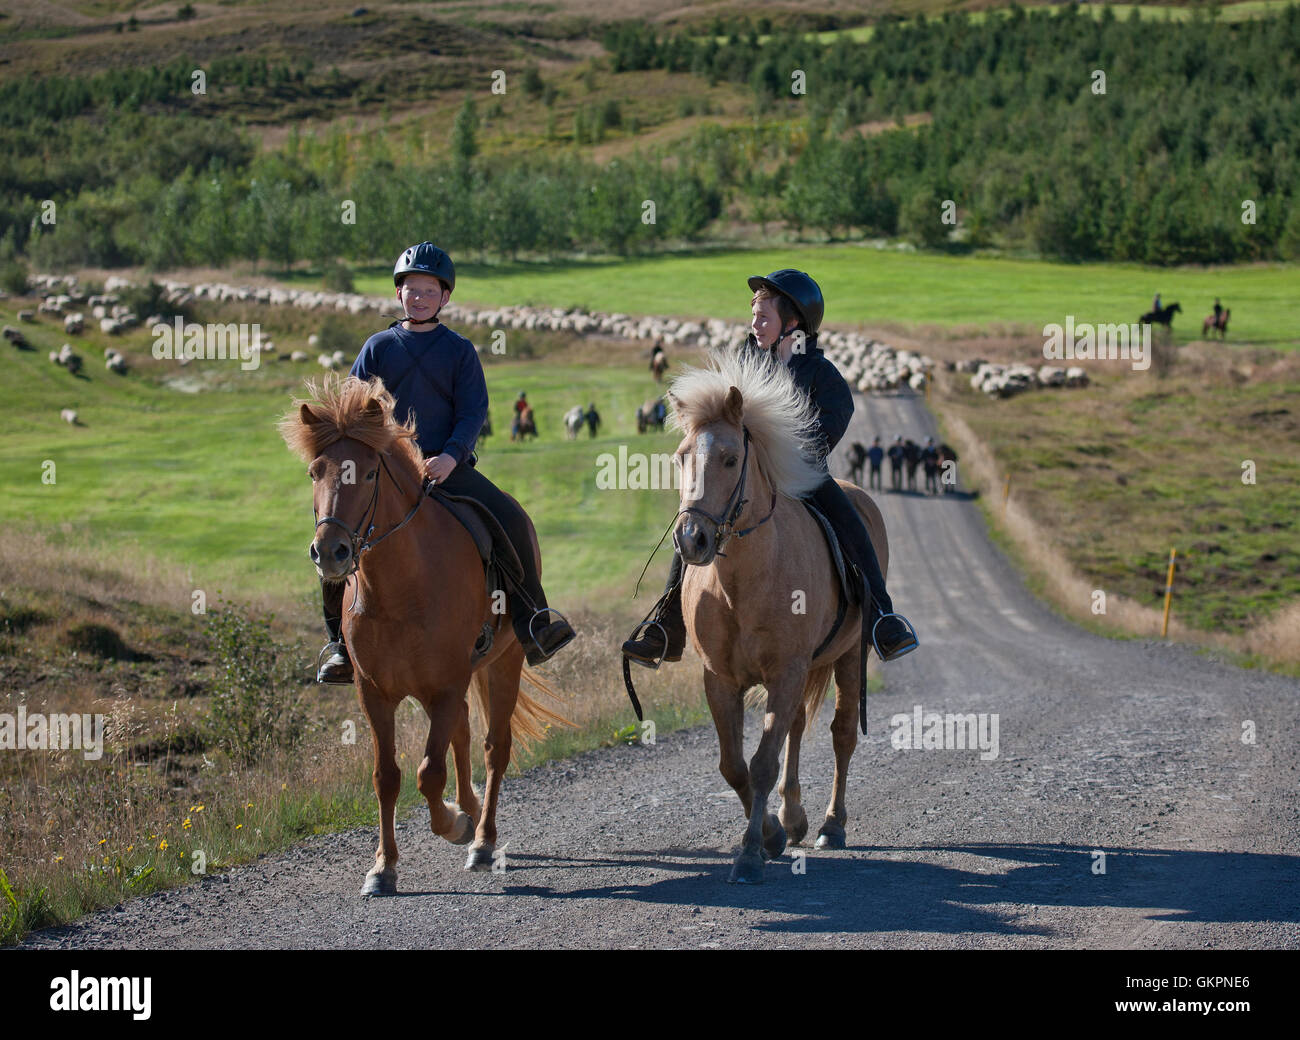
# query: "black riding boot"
[891,633]
[338,666]
[663,638]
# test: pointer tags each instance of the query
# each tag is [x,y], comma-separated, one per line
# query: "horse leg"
[727,706]
[765,838]
[466,797]
[844,738]
[792,815]
[382,879]
[503,695]
[445,711]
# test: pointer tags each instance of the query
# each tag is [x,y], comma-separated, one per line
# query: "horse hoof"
[831,836]
[380,884]
[774,843]
[479,859]
[747,870]
[462,830]
[796,826]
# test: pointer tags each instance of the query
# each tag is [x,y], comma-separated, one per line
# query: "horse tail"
[815,688]
[531,720]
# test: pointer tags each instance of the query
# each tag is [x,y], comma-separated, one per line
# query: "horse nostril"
[342,552]
[313,552]
[700,540]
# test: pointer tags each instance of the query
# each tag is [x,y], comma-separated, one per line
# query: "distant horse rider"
[876,455]
[896,456]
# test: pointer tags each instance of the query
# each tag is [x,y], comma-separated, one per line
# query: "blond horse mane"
[782,421]
[348,408]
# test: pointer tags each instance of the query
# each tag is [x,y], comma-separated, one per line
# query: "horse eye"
[371,474]
[731,462]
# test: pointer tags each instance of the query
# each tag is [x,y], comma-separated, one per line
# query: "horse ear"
[373,408]
[733,407]
[306,416]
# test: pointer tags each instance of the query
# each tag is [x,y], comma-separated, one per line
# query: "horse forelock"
[781,420]
[346,410]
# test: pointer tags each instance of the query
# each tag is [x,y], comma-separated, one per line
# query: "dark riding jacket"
[816,375]
[435,377]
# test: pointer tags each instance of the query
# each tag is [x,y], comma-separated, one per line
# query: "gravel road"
[1130,749]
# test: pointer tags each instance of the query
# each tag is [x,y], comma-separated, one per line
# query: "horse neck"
[396,497]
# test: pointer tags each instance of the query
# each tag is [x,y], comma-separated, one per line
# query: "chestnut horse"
[759,613]
[419,603]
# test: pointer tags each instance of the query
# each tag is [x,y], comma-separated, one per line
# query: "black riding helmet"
[426,258]
[799,289]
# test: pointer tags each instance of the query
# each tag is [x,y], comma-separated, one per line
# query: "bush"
[147,300]
[338,277]
[335,335]
[13,278]
[257,695]
[533,85]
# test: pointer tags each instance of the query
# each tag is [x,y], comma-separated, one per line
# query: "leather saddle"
[501,566]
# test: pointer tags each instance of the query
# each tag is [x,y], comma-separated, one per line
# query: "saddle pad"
[484,528]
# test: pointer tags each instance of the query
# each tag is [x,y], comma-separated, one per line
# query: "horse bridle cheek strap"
[724,526]
[359,543]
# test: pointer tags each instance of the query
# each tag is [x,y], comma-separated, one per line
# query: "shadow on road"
[883,893]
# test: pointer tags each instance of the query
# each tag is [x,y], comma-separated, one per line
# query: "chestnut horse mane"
[348,409]
[782,422]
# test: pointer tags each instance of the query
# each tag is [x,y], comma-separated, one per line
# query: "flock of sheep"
[1009,380]
[868,365]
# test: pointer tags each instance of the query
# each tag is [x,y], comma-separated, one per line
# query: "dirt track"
[1131,749]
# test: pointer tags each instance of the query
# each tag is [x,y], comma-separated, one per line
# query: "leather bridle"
[724,525]
[356,542]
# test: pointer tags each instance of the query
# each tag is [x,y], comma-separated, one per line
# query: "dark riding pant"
[468,481]
[854,541]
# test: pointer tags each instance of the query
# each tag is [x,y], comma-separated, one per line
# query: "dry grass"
[1275,638]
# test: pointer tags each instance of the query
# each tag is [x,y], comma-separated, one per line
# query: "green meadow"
[893,288]
[204,479]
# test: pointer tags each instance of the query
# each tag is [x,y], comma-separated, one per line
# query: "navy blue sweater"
[437,378]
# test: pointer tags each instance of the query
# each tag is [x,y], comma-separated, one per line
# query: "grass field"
[204,479]
[891,288]
[1117,475]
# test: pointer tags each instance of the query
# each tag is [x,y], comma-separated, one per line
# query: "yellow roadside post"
[1169,592]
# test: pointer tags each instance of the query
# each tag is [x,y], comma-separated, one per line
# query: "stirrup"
[636,633]
[537,612]
[915,641]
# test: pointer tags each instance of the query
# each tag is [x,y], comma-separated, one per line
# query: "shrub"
[13,278]
[257,695]
[338,277]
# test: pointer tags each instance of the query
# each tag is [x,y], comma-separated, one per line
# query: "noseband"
[355,539]
[724,525]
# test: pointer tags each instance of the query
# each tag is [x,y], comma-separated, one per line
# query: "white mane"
[781,420]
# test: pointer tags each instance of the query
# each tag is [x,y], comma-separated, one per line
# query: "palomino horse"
[419,603]
[759,612]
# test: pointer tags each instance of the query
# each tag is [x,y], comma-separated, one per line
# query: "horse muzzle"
[695,542]
[333,556]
